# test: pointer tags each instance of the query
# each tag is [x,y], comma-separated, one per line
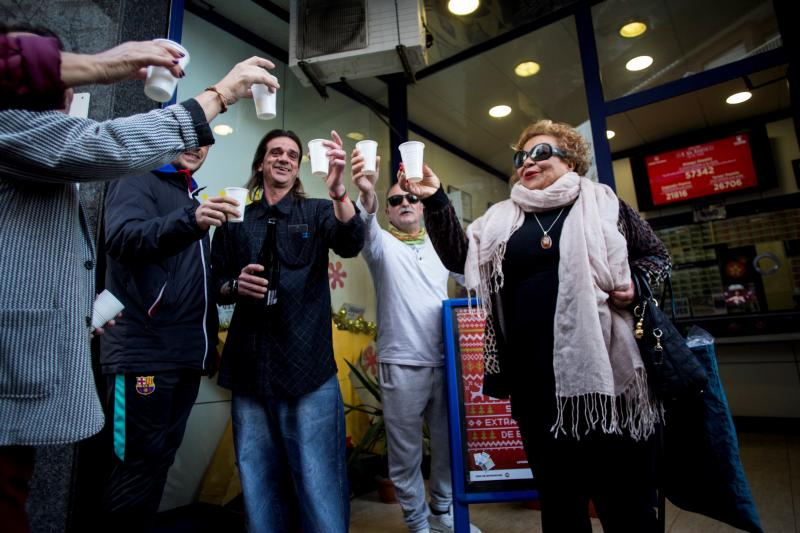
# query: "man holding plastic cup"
[158,257]
[287,411]
[410,284]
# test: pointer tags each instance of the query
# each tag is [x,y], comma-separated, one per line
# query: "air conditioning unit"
[334,39]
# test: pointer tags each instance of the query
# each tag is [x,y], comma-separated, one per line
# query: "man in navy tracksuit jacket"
[158,267]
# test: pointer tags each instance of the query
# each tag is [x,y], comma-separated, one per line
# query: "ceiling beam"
[212,17]
[273,8]
[701,80]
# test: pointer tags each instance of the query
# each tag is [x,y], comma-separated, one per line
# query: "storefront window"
[716,182]
[453,33]
[455,103]
[680,38]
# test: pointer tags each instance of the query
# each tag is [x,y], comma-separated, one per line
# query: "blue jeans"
[293,449]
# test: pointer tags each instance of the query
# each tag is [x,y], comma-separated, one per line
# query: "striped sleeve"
[50,146]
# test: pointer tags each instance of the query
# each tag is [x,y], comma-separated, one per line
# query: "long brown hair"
[256,181]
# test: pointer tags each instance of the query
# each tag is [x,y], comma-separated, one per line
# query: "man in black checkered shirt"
[287,411]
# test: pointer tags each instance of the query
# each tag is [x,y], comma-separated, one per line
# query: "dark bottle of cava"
[268,258]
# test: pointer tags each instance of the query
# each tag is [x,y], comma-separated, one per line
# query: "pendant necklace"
[546,242]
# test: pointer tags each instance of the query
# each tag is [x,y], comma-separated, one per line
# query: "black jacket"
[159,268]
[286,351]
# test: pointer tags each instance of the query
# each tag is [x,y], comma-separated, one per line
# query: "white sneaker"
[443,523]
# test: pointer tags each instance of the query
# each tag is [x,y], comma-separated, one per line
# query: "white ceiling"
[684,36]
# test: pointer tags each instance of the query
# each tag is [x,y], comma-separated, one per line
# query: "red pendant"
[546,242]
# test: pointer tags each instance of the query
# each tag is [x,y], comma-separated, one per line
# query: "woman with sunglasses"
[551,266]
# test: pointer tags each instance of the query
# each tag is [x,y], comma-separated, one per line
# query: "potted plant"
[367,458]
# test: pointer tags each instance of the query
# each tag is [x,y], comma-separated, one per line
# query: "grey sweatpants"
[411,394]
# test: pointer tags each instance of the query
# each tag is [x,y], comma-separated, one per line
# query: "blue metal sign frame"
[462,495]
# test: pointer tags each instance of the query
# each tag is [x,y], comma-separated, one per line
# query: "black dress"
[528,296]
[610,470]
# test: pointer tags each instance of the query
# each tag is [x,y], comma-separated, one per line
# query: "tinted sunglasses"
[540,152]
[397,199]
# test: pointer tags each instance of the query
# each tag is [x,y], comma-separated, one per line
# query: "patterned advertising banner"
[493,441]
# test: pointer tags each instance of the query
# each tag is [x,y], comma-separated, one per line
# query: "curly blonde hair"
[568,139]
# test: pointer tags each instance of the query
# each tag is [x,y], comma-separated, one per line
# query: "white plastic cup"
[265,100]
[160,83]
[411,152]
[369,151]
[240,195]
[106,307]
[319,161]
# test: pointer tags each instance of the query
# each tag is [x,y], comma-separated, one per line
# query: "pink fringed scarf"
[599,375]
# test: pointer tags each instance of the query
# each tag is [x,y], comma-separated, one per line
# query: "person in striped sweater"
[47,257]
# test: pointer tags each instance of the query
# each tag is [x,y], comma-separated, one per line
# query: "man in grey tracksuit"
[410,284]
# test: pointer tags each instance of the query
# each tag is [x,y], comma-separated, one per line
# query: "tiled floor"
[771,461]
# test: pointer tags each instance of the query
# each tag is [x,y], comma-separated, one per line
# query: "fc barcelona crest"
[145,385]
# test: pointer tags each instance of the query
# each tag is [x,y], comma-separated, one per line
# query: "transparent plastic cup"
[265,100]
[160,83]
[240,195]
[106,307]
[411,153]
[369,150]
[319,161]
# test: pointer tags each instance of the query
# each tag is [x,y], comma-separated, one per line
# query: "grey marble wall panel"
[48,504]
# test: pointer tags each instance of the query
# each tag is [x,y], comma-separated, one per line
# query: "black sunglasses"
[397,199]
[540,152]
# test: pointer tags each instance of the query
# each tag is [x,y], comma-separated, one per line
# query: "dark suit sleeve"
[136,233]
[445,231]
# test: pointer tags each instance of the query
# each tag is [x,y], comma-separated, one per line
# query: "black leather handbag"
[673,371]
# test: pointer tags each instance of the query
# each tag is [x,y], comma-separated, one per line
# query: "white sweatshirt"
[410,284]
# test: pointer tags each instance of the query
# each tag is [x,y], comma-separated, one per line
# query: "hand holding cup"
[363,179]
[215,211]
[238,82]
[126,61]
[336,163]
[161,82]
[106,308]
[423,188]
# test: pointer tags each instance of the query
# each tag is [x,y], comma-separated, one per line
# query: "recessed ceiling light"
[462,7]
[639,63]
[633,29]
[499,111]
[527,68]
[223,129]
[355,135]
[738,98]
[610,134]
